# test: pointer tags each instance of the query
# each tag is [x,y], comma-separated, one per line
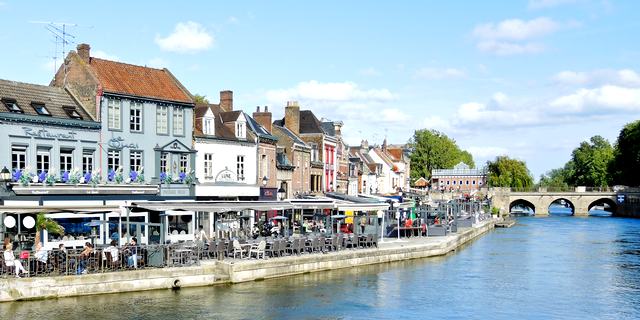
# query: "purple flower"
[111,175]
[65,177]
[182,176]
[133,175]
[87,177]
[42,176]
[163,176]
[17,174]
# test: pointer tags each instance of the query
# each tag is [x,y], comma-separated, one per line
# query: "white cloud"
[541,4]
[503,48]
[393,115]
[623,77]
[437,123]
[515,36]
[103,55]
[609,97]
[486,152]
[330,91]
[233,20]
[370,72]
[439,73]
[516,29]
[187,37]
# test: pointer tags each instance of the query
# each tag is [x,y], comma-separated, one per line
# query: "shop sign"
[118,143]
[44,133]
[226,175]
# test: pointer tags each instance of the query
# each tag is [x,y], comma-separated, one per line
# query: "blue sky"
[530,79]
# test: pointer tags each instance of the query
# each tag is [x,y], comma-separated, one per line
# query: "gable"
[176,146]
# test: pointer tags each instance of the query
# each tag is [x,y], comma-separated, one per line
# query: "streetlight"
[281,193]
[5,177]
[264,181]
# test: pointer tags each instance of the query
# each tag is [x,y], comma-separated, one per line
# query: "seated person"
[60,256]
[113,250]
[132,250]
[84,258]
[11,261]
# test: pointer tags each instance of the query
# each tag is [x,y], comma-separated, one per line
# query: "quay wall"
[211,272]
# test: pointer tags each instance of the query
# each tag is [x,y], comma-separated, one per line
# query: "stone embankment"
[212,272]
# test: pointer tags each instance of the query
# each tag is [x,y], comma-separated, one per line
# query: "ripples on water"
[543,268]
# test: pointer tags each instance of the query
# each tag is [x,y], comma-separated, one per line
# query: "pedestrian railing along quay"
[116,259]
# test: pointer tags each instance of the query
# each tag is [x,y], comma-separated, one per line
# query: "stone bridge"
[580,200]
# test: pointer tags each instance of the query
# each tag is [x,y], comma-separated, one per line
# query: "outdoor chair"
[258,249]
[319,244]
[369,241]
[237,249]
[212,250]
[309,244]
[374,240]
[299,248]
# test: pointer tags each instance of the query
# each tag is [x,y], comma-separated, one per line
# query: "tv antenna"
[62,39]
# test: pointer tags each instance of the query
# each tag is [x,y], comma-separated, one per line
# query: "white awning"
[211,206]
[227,191]
[312,203]
[362,206]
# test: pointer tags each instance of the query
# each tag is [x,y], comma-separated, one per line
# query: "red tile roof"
[117,77]
[396,154]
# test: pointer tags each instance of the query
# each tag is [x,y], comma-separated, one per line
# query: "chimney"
[384,145]
[337,127]
[226,101]
[292,116]
[84,51]
[263,118]
[364,145]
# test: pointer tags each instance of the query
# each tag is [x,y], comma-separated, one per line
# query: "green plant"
[44,223]
[495,211]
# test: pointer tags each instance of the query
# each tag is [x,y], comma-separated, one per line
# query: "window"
[240,168]
[66,160]
[113,114]
[314,152]
[162,120]
[207,125]
[12,105]
[208,165]
[460,182]
[72,112]
[473,182]
[178,121]
[18,157]
[113,159]
[467,182]
[163,161]
[240,132]
[184,162]
[87,161]
[135,160]
[40,108]
[135,117]
[448,182]
[43,160]
[265,165]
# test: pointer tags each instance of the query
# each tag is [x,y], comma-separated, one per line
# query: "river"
[559,267]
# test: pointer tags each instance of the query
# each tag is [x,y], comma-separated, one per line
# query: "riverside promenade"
[213,272]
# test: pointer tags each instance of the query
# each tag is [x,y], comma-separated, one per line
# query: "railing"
[566,189]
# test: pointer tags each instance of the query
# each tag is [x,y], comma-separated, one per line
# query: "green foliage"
[555,179]
[590,163]
[44,223]
[624,167]
[434,150]
[197,98]
[507,172]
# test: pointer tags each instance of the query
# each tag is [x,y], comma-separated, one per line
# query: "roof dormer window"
[40,108]
[208,126]
[240,130]
[12,105]
[72,112]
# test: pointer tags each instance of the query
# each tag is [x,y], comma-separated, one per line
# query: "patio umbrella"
[279,218]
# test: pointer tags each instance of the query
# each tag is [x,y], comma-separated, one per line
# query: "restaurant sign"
[226,175]
[118,143]
[268,194]
[44,133]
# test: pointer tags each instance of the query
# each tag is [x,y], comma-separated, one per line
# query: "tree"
[44,223]
[507,172]
[590,163]
[555,179]
[197,98]
[432,149]
[624,167]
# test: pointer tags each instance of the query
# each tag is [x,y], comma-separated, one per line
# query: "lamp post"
[5,177]
[281,193]
[264,181]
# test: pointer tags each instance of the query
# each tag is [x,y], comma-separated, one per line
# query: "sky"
[530,79]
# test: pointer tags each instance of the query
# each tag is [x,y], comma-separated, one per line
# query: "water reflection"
[554,267]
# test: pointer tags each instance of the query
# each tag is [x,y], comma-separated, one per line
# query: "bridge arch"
[556,207]
[609,205]
[522,203]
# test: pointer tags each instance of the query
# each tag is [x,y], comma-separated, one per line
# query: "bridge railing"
[566,189]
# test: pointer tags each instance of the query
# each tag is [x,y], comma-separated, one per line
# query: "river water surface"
[559,267]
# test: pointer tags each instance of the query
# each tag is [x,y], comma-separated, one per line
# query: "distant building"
[460,178]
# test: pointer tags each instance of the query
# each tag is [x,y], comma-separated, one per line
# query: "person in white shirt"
[10,260]
[113,250]
[201,235]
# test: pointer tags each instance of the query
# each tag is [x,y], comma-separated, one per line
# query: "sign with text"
[269,194]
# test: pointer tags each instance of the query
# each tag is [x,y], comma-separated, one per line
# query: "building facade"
[460,178]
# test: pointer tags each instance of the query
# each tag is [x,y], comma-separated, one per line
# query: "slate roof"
[123,78]
[259,130]
[309,123]
[53,98]
[328,128]
[282,162]
[291,135]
